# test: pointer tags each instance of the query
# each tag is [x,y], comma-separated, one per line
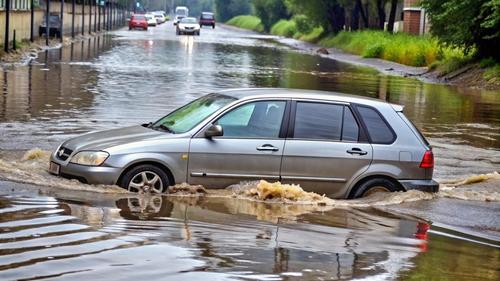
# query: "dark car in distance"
[207,18]
[138,21]
[54,26]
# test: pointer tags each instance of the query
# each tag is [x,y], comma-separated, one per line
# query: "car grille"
[63,153]
[189,28]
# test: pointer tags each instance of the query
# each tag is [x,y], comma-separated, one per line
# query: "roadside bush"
[285,28]
[487,62]
[303,24]
[247,22]
[492,73]
[400,47]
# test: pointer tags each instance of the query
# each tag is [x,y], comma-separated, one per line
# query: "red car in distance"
[138,21]
[207,18]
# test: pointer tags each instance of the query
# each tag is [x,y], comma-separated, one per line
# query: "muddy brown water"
[127,78]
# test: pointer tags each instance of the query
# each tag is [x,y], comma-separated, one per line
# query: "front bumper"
[87,174]
[188,30]
[421,185]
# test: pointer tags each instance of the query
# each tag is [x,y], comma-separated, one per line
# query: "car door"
[250,148]
[325,148]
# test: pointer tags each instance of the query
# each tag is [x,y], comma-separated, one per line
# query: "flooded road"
[61,235]
[124,78]
[134,77]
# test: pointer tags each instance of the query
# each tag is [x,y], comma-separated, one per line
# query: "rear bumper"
[421,185]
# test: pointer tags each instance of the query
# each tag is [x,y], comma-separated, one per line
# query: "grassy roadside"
[407,49]
[247,22]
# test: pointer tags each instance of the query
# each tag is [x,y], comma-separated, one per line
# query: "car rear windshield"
[207,17]
[190,115]
[377,127]
[138,17]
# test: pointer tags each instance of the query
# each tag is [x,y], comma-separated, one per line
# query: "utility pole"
[32,22]
[83,17]
[7,27]
[73,4]
[47,26]
[61,32]
[90,16]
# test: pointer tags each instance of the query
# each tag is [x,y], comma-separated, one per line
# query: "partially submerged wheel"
[145,179]
[374,186]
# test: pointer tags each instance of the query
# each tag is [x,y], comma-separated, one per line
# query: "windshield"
[188,20]
[207,16]
[190,115]
[181,12]
[138,17]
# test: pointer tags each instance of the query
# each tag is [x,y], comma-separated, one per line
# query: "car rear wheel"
[145,178]
[213,26]
[375,185]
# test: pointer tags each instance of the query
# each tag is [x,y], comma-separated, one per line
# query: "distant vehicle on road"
[180,13]
[138,21]
[335,144]
[207,18]
[188,26]
[160,17]
[150,18]
[54,26]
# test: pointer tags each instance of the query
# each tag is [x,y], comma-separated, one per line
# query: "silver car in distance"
[335,144]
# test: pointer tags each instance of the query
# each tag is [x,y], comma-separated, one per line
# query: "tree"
[270,11]
[226,9]
[392,15]
[469,24]
[330,14]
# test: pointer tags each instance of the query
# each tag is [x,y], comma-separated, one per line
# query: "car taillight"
[427,160]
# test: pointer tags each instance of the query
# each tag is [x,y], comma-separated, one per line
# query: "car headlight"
[89,158]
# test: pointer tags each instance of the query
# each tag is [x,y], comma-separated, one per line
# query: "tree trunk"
[392,16]
[381,13]
[359,8]
[336,18]
[355,18]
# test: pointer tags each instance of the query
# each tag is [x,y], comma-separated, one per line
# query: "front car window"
[207,16]
[260,119]
[187,117]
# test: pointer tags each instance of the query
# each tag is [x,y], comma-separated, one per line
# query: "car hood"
[103,140]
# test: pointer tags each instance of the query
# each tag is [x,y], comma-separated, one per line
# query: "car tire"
[213,26]
[129,28]
[374,185]
[152,178]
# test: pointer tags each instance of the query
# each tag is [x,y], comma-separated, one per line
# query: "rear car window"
[377,127]
[324,121]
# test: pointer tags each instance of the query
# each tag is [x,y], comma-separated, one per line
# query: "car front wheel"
[145,178]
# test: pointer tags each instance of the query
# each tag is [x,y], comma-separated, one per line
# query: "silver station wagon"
[335,144]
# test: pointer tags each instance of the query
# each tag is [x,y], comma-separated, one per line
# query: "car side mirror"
[214,131]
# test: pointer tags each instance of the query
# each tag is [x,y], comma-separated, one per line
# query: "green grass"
[400,47]
[285,28]
[492,73]
[247,22]
[289,28]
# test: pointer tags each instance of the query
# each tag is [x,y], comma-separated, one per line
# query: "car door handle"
[356,150]
[267,147]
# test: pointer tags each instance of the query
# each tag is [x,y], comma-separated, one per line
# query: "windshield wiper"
[166,128]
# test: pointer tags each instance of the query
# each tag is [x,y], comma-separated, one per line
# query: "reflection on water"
[135,237]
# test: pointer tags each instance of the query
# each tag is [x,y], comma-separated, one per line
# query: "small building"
[415,20]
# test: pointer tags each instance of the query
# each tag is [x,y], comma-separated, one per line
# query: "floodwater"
[65,231]
[63,235]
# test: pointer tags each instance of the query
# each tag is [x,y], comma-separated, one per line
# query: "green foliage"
[313,36]
[471,24]
[227,9]
[285,28]
[270,11]
[400,47]
[303,24]
[487,62]
[492,73]
[247,22]
[329,14]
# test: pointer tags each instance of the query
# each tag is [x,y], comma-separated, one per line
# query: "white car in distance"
[150,18]
[188,26]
